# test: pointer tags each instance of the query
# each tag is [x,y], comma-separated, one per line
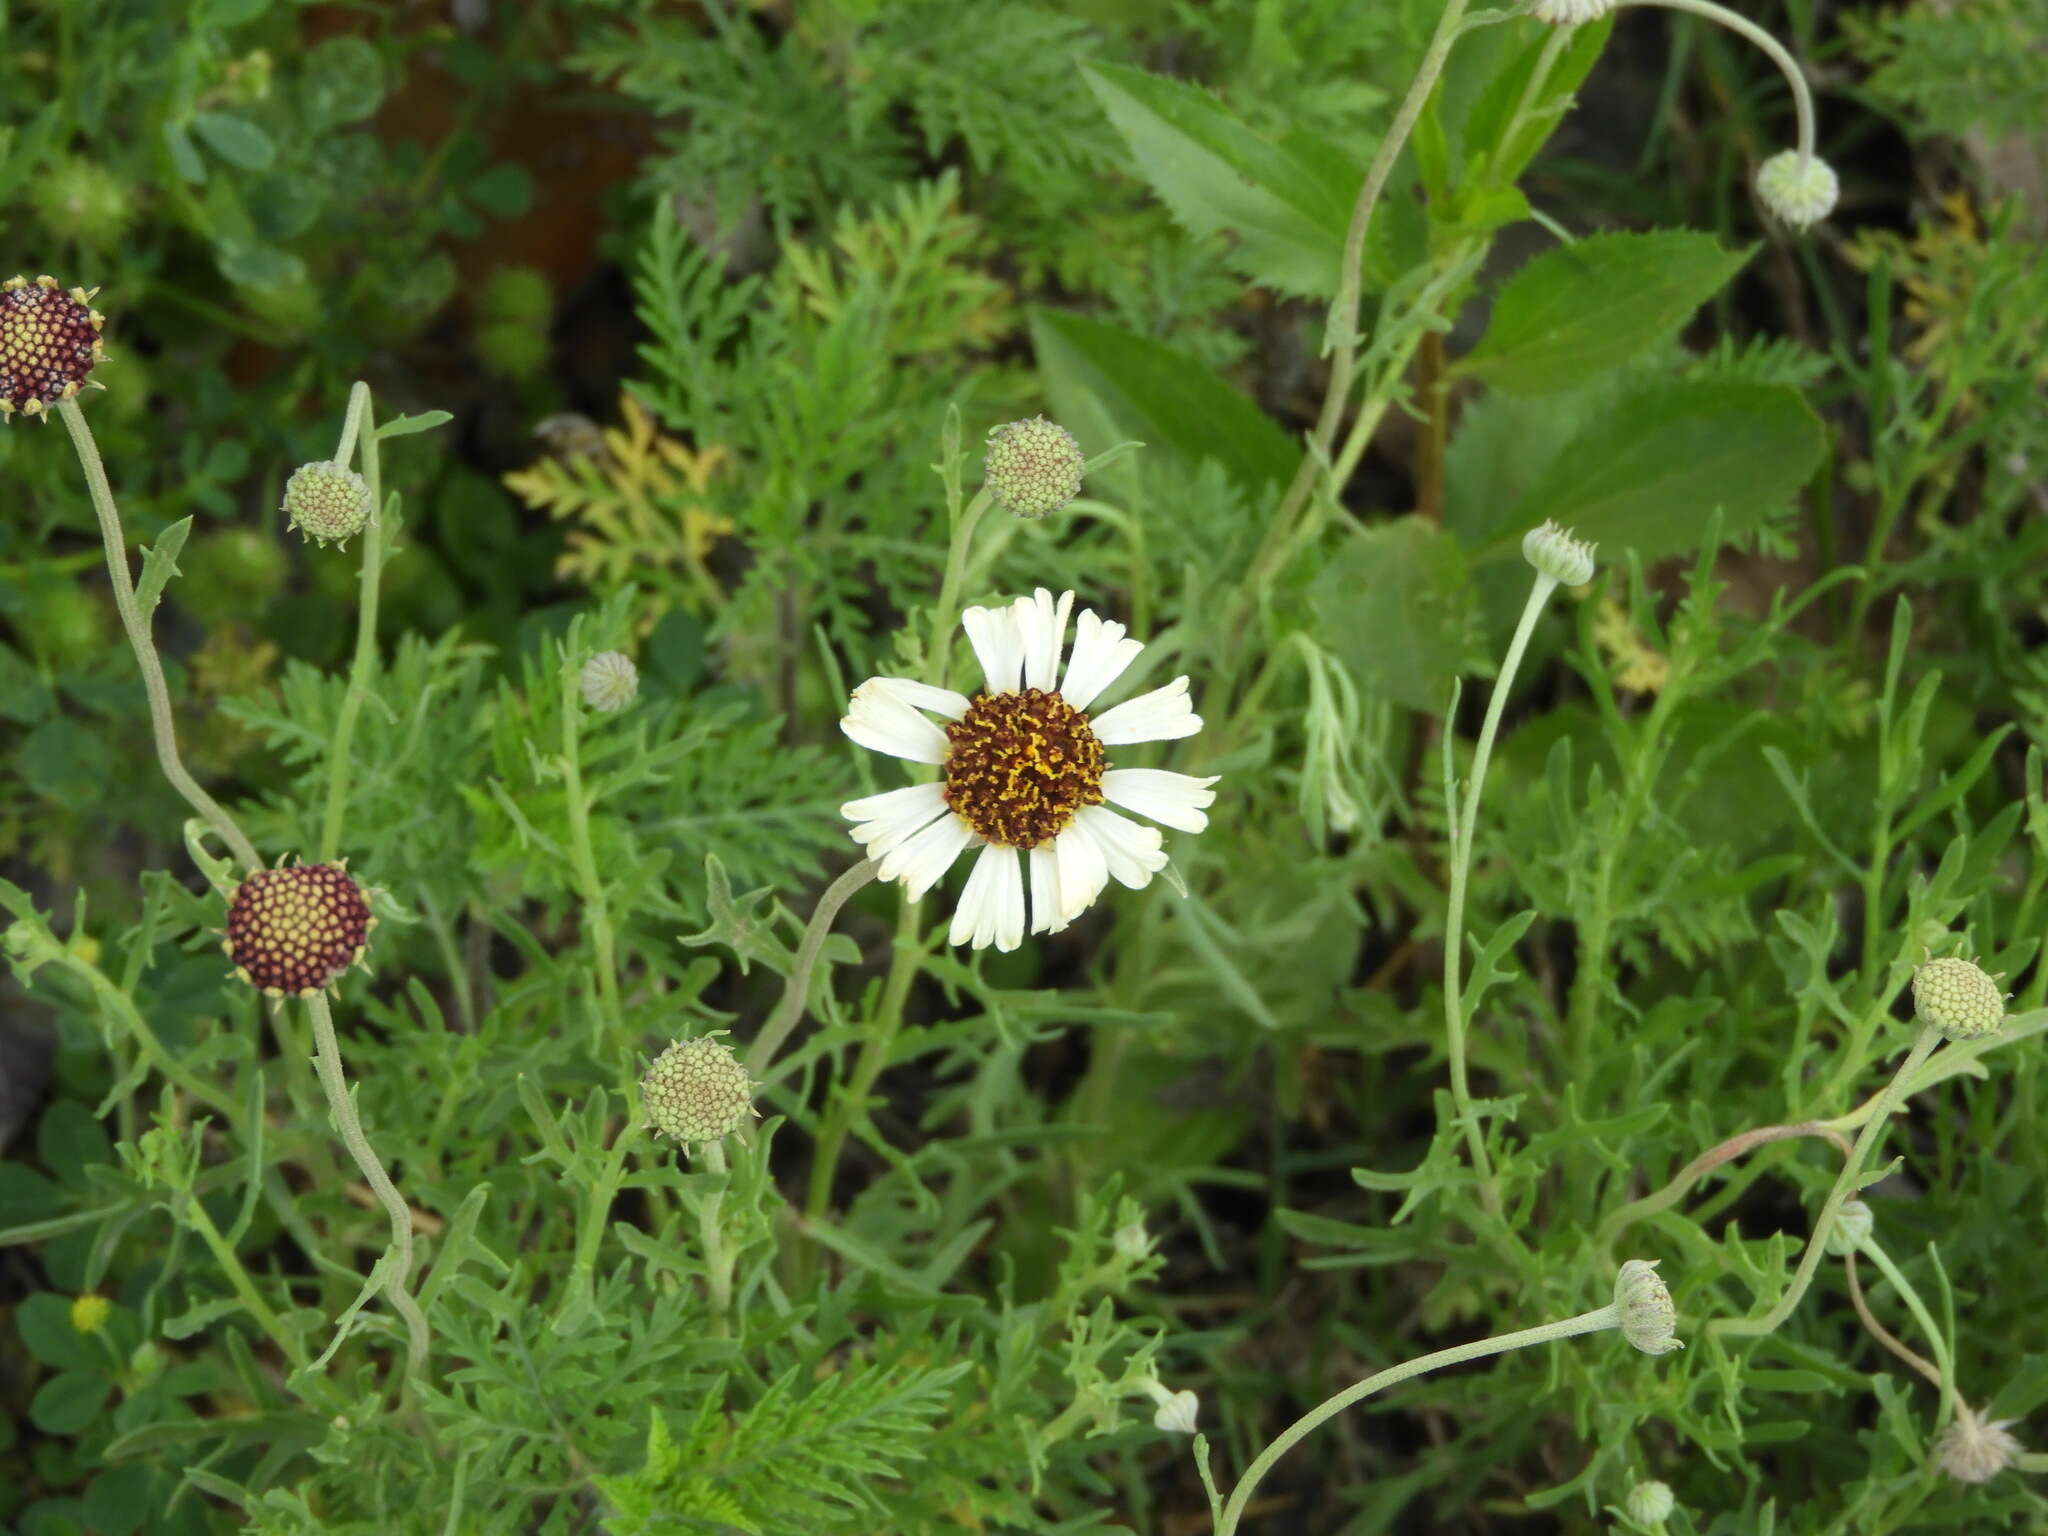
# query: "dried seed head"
[1975,1450]
[1648,1319]
[1798,189]
[293,931]
[327,501]
[1649,1503]
[49,343]
[1556,554]
[1033,467]
[609,681]
[696,1091]
[1958,999]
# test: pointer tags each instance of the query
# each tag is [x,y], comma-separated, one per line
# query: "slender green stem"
[1682,1181]
[133,621]
[1585,1322]
[1742,26]
[338,765]
[596,911]
[718,1258]
[947,614]
[1927,1368]
[796,991]
[238,1280]
[327,1061]
[1945,1379]
[1461,866]
[852,1099]
[577,1296]
[1845,1186]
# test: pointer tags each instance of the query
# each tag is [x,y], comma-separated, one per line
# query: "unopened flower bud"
[1570,13]
[1033,467]
[1957,999]
[89,1313]
[327,501]
[1798,189]
[1649,1503]
[697,1091]
[78,198]
[1648,1319]
[1132,1241]
[609,681]
[1176,1413]
[1556,554]
[1853,1224]
[1975,1450]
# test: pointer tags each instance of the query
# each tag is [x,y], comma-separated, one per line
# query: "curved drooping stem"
[1742,26]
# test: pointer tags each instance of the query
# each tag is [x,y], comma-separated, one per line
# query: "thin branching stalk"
[327,1061]
[365,662]
[133,621]
[1845,1186]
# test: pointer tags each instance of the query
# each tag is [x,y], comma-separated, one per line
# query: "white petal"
[1042,625]
[1099,657]
[1164,714]
[991,909]
[1045,890]
[1131,851]
[889,819]
[940,701]
[993,634]
[879,720]
[1178,799]
[919,862]
[1083,872]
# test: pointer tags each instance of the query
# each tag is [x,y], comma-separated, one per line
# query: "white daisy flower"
[1025,779]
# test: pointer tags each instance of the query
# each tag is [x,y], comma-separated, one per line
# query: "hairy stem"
[796,991]
[1585,1322]
[365,661]
[139,640]
[1742,26]
[1845,1186]
[327,1061]
[597,915]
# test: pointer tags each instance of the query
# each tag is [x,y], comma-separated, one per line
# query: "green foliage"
[1528,932]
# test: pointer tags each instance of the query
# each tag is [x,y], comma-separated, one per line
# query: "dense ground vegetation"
[1528,934]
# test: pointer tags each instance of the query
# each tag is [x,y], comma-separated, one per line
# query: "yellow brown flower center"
[292,931]
[49,342]
[1020,765]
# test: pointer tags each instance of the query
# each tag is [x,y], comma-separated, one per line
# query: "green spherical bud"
[1799,189]
[697,1091]
[516,293]
[1648,1319]
[1033,467]
[1649,1503]
[511,349]
[609,681]
[1956,998]
[327,501]
[80,199]
[1852,1228]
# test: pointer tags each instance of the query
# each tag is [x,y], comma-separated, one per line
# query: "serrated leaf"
[1394,606]
[1579,310]
[235,139]
[1646,476]
[159,565]
[1287,207]
[1158,395]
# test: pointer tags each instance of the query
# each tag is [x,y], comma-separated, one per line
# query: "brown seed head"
[1020,764]
[292,931]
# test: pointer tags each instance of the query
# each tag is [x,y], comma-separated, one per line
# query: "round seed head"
[1648,1319]
[1798,189]
[1033,467]
[697,1091]
[1556,554]
[49,343]
[293,931]
[1649,1502]
[609,681]
[80,199]
[327,501]
[1958,999]
[1571,13]
[89,1313]
[1975,1450]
